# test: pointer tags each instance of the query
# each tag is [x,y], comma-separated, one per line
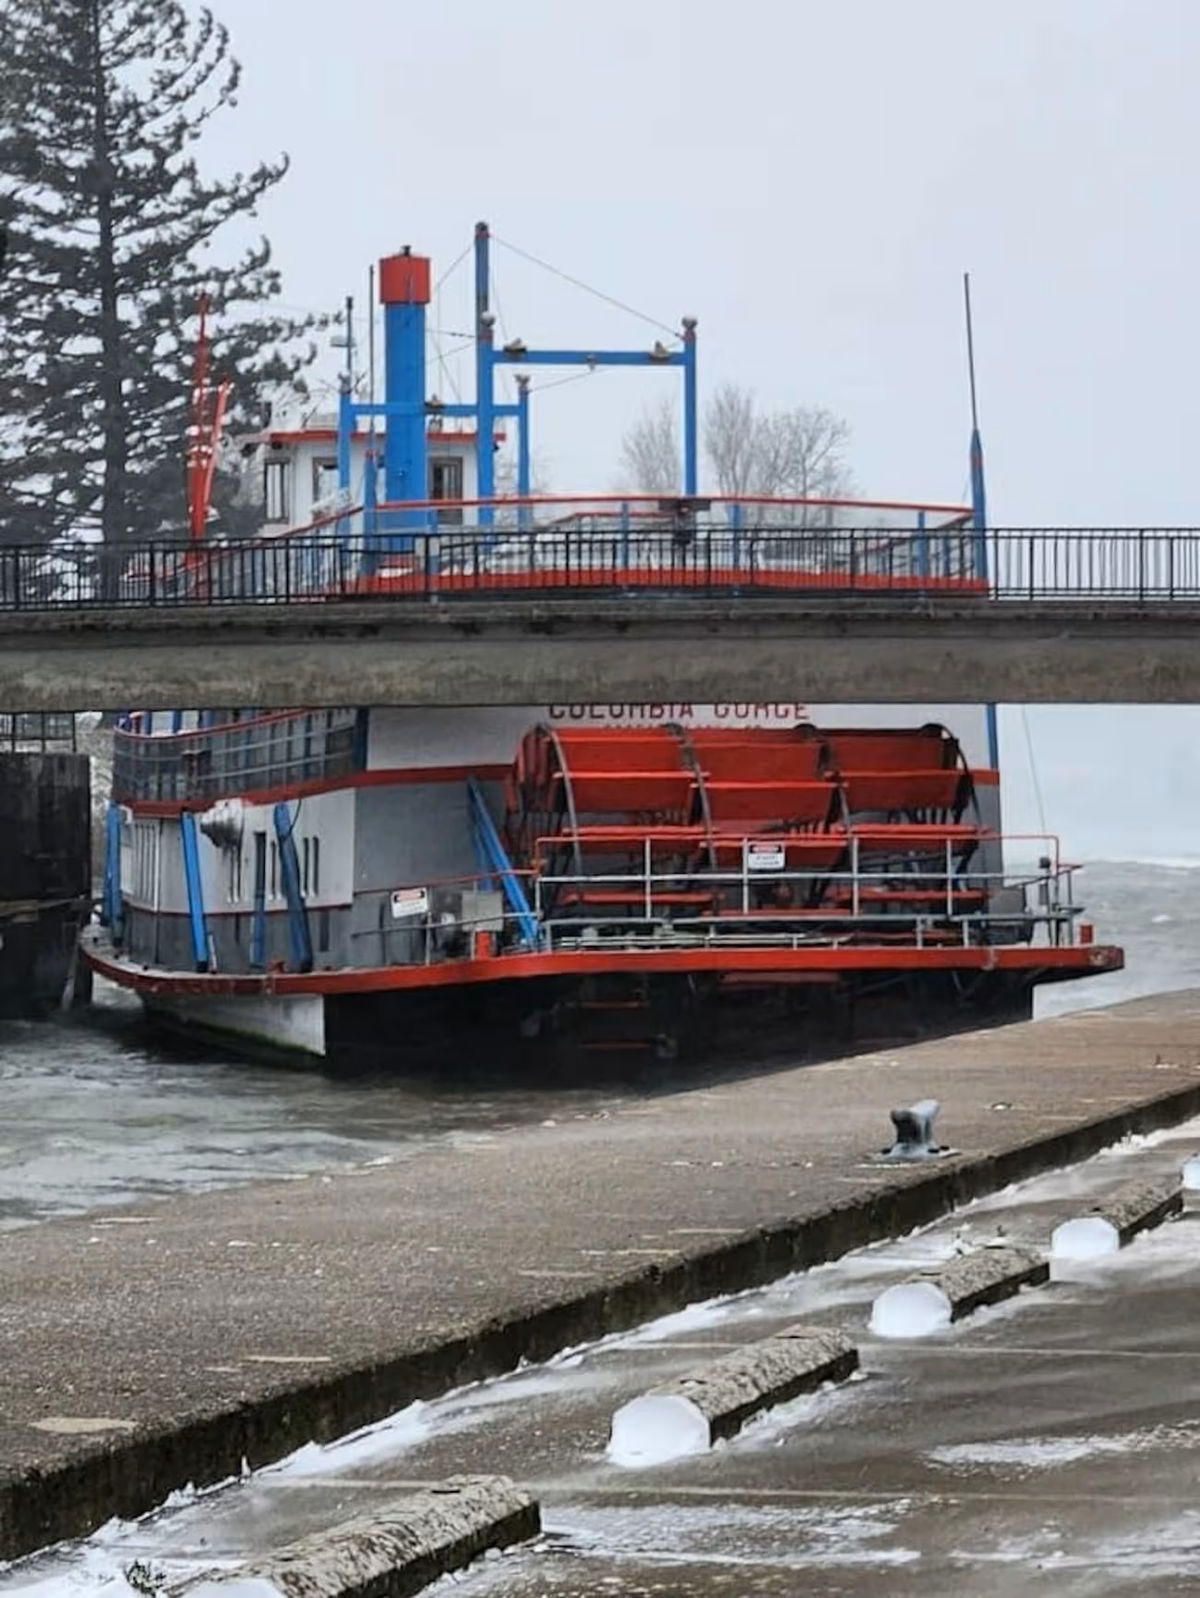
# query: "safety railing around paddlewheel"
[467,917]
[932,900]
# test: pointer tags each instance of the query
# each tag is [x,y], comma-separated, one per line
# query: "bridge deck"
[593,649]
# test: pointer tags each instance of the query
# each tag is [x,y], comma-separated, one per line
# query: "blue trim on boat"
[258,924]
[299,931]
[493,851]
[113,916]
[195,889]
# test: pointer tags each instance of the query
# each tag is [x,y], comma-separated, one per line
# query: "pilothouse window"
[446,482]
[324,480]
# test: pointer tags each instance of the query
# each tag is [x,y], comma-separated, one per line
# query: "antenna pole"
[350,341]
[371,346]
[970,350]
[979,503]
[345,442]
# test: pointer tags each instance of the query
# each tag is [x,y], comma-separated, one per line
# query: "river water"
[97,1112]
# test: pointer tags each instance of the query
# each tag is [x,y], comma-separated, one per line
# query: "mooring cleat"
[914,1132]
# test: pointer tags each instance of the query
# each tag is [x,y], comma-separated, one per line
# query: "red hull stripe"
[391,778]
[765,963]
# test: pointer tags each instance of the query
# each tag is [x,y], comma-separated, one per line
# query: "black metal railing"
[1142,565]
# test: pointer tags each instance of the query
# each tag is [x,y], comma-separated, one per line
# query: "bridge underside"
[675,650]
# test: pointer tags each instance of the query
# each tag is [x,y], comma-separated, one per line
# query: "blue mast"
[979,502]
[485,390]
[690,421]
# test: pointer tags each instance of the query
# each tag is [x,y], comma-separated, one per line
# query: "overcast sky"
[810,180]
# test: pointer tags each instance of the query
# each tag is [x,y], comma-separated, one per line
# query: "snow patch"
[1087,1237]
[1045,1453]
[910,1309]
[403,1430]
[656,1428]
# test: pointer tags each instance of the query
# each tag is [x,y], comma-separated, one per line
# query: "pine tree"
[110,229]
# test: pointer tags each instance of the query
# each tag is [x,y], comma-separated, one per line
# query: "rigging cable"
[441,354]
[1033,772]
[587,288]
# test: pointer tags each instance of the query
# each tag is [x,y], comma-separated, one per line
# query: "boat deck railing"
[230,758]
[958,908]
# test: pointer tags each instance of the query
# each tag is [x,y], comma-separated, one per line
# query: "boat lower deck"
[551,1008]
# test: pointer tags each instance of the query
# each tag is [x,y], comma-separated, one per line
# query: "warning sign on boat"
[409,902]
[765,857]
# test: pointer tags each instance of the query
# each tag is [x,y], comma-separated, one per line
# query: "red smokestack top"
[404,279]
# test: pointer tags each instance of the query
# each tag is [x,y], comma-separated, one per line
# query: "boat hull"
[565,1021]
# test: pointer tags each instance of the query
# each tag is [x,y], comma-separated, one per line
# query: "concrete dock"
[143,1350]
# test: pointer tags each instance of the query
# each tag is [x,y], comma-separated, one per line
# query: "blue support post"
[524,454]
[299,932]
[691,451]
[922,547]
[464,411]
[195,889]
[345,434]
[113,905]
[980,563]
[492,850]
[369,556]
[258,924]
[525,357]
[978,500]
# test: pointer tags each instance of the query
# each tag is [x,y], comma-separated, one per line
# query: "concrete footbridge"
[688,614]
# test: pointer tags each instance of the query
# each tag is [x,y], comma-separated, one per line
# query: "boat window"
[304,867]
[274,894]
[260,867]
[316,865]
[275,490]
[145,859]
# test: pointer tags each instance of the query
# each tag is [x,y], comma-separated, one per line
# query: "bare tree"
[650,451]
[798,452]
[732,441]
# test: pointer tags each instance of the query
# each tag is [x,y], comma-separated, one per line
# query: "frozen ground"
[1048,1444]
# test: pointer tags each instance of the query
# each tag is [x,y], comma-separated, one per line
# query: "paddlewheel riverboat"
[380,885]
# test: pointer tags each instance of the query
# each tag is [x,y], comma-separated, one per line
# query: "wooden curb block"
[398,1550]
[716,1400]
[929,1302]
